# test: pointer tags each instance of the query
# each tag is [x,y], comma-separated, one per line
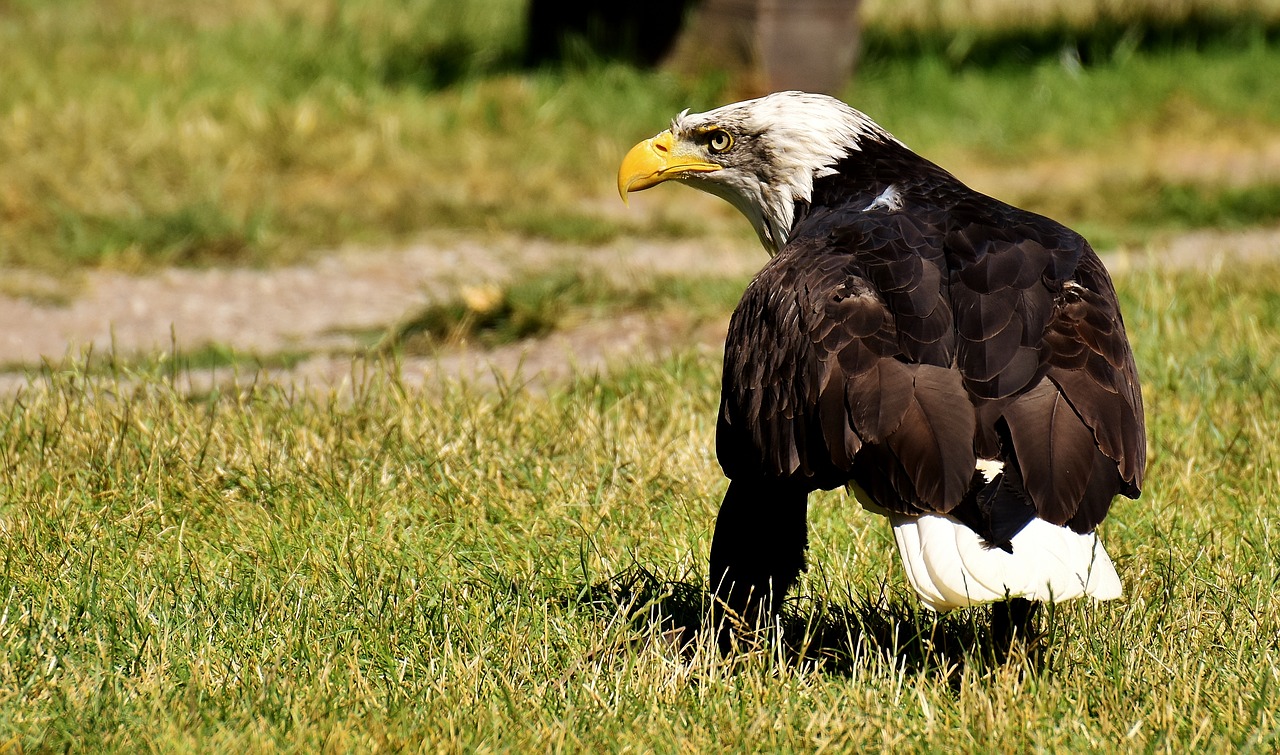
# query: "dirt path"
[327,309]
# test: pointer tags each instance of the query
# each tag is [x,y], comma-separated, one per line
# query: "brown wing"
[840,352]
[890,348]
[1043,350]
[1080,437]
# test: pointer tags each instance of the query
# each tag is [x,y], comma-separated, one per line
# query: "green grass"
[1018,112]
[538,303]
[998,32]
[1225,208]
[137,133]
[454,568]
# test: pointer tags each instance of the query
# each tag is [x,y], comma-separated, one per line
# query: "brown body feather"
[894,346]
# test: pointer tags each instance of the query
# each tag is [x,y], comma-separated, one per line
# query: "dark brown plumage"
[929,332]
[908,328]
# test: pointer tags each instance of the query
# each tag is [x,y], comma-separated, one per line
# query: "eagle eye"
[719,141]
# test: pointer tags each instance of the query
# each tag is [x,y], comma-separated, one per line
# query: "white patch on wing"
[889,200]
[990,468]
[949,567]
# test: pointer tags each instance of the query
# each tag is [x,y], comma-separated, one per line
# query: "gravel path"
[328,308]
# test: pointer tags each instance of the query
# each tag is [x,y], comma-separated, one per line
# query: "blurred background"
[439,170]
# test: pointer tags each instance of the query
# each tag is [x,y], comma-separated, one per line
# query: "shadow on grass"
[835,638]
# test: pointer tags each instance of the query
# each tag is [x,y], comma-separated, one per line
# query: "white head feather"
[801,136]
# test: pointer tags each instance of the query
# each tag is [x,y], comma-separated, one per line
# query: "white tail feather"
[948,566]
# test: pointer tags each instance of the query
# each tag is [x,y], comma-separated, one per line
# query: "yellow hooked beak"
[659,159]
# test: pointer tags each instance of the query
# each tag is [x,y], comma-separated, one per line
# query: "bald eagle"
[960,364]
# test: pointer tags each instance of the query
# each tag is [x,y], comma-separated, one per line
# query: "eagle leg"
[757,552]
[1012,620]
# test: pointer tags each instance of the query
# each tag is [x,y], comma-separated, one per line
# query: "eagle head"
[761,155]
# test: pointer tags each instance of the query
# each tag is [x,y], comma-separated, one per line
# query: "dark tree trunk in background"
[764,45]
[637,32]
[772,45]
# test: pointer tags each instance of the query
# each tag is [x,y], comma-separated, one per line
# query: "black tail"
[757,552]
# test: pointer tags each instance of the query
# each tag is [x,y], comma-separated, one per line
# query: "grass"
[538,303]
[456,568]
[139,133]
[1226,208]
[461,569]
[986,32]
[452,568]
